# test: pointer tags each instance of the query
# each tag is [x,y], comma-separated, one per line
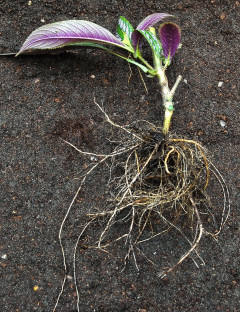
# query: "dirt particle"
[223,16]
[105,81]
[57,100]
[223,117]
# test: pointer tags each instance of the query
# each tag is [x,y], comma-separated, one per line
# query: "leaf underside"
[61,34]
[170,36]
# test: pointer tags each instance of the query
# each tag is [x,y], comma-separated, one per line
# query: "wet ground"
[47,97]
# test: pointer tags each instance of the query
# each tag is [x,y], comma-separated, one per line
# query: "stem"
[145,62]
[167,120]
[167,94]
[179,78]
[169,106]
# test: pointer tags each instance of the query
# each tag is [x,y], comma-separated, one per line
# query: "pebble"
[142,98]
[4,256]
[220,83]
[222,123]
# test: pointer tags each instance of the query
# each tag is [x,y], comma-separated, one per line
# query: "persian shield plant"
[165,178]
[78,33]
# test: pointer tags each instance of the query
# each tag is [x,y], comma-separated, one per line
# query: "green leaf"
[153,41]
[124,31]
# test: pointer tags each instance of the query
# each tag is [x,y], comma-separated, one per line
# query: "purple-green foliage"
[149,21]
[79,33]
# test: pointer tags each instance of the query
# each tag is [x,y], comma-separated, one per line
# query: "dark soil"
[47,97]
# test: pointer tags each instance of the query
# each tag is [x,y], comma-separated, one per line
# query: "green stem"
[168,103]
[145,62]
[143,68]
[167,94]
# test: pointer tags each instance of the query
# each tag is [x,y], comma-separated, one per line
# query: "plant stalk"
[167,94]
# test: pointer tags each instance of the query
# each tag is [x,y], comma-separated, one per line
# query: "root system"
[159,185]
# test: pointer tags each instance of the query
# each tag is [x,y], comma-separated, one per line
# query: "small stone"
[42,20]
[92,76]
[4,256]
[185,80]
[142,98]
[222,16]
[29,3]
[220,83]
[222,123]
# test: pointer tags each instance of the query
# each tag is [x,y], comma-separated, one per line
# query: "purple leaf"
[170,36]
[149,21]
[60,34]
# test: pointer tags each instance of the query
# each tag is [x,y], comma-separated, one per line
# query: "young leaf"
[153,41]
[124,31]
[149,21]
[61,34]
[170,36]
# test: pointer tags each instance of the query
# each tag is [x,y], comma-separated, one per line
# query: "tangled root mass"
[158,185]
[162,185]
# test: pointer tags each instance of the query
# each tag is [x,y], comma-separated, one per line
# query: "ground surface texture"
[47,97]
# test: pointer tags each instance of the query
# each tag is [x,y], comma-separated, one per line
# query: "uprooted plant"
[163,179]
